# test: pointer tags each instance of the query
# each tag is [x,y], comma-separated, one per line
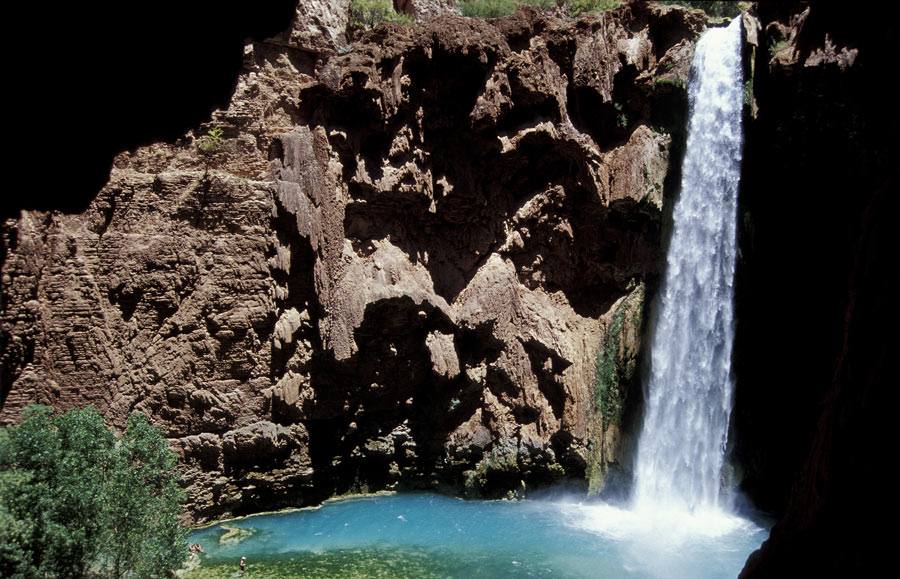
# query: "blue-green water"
[426,535]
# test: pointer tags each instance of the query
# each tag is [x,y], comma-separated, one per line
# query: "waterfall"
[688,395]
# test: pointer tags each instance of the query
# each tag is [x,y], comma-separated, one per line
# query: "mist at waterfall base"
[676,524]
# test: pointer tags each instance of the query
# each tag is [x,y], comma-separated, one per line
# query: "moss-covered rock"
[614,383]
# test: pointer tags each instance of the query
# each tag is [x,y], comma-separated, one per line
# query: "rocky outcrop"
[318,26]
[425,10]
[398,267]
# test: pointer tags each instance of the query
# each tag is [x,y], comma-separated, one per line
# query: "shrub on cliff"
[368,14]
[75,501]
[713,7]
[577,7]
[496,8]
[487,8]
[211,143]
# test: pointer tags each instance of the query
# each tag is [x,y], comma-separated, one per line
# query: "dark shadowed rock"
[811,415]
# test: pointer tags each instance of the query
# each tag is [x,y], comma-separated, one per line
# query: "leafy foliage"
[368,14]
[777,46]
[621,116]
[77,502]
[577,7]
[210,143]
[487,8]
[713,7]
[608,397]
[496,8]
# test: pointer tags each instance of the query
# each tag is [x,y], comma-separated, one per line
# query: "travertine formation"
[399,267]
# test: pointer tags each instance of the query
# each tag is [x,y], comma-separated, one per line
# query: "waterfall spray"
[688,395]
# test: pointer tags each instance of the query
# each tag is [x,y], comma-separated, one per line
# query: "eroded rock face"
[399,268]
[318,26]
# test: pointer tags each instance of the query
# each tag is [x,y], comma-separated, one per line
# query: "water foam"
[688,394]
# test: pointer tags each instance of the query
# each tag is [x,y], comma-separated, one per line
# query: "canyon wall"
[417,259]
[412,252]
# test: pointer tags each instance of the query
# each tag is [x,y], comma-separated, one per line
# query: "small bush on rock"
[577,7]
[210,143]
[497,8]
[368,14]
[487,8]
[712,7]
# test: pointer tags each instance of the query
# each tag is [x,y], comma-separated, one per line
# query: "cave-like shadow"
[385,411]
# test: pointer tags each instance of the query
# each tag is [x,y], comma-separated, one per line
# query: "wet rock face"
[397,268]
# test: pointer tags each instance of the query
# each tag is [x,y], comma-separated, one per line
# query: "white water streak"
[688,397]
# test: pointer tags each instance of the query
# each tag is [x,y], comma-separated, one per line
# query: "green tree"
[77,502]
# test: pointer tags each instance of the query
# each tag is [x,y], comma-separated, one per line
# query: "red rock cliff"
[398,267]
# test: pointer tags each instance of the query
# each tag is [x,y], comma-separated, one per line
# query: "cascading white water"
[688,396]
